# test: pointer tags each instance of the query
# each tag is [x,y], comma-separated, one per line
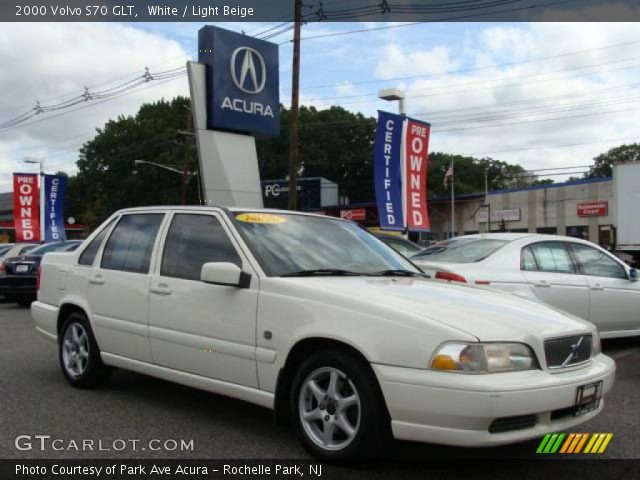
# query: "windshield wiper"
[401,273]
[326,272]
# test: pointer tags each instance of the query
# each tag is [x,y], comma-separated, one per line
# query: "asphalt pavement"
[35,400]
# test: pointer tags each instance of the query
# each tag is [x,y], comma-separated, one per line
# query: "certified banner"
[416,148]
[387,170]
[400,169]
[26,211]
[54,192]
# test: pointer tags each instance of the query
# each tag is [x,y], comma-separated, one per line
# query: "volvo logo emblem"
[574,352]
[243,65]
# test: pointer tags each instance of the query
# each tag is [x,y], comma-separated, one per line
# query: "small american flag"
[448,174]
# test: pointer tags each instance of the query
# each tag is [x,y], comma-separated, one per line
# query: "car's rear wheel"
[337,407]
[79,354]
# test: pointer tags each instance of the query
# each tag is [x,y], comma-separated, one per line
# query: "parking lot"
[36,400]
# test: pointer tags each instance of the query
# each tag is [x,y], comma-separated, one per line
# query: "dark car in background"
[18,275]
[400,244]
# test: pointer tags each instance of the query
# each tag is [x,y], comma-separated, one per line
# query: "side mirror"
[223,273]
[633,274]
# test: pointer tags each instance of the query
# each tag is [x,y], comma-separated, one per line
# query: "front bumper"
[458,409]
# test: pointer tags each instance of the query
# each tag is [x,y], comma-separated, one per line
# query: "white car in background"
[316,318]
[573,275]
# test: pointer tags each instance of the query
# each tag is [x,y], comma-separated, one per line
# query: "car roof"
[511,237]
[216,208]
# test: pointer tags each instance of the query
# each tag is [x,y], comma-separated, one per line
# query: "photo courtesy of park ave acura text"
[342,239]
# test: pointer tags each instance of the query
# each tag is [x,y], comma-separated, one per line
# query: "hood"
[488,315]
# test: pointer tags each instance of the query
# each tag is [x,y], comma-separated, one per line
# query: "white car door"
[614,298]
[554,279]
[118,287]
[196,327]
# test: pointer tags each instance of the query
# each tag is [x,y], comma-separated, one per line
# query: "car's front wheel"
[79,354]
[337,407]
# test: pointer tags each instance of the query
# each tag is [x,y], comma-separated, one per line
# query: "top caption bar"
[315,11]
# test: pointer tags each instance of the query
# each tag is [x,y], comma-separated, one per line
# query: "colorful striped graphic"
[574,443]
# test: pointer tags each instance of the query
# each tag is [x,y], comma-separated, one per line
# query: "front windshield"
[289,243]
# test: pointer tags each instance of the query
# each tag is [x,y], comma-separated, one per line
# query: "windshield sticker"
[260,218]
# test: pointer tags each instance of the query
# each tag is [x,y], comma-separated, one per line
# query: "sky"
[542,95]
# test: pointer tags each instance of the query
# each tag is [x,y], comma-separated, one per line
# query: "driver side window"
[596,263]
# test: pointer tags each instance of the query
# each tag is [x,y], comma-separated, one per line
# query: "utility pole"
[185,165]
[295,91]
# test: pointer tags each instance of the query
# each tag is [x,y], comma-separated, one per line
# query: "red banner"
[26,211]
[416,155]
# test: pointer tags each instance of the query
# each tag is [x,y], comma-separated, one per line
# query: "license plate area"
[588,398]
[22,268]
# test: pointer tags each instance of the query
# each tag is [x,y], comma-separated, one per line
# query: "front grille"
[567,351]
[510,424]
[562,413]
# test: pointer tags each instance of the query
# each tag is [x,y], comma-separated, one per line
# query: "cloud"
[43,61]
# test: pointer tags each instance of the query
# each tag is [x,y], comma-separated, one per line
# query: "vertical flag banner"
[387,170]
[416,150]
[26,211]
[400,159]
[54,192]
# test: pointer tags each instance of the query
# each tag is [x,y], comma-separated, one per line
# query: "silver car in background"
[570,274]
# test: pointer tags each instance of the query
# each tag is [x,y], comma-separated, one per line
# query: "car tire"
[337,407]
[79,354]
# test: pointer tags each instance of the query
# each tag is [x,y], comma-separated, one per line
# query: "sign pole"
[295,89]
[42,202]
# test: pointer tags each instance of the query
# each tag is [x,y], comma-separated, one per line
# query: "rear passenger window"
[88,256]
[192,241]
[552,257]
[130,245]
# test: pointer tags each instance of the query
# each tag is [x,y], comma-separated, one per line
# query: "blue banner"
[387,171]
[54,192]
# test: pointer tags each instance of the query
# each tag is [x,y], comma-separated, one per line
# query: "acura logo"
[574,352]
[243,65]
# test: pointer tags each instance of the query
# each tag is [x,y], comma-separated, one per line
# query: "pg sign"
[242,82]
[400,158]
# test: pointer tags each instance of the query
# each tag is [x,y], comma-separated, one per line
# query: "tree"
[333,143]
[108,178]
[622,154]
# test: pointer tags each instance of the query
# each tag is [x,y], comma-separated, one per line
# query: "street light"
[39,161]
[391,94]
[185,178]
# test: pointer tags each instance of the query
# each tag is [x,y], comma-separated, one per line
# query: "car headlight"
[596,348]
[484,358]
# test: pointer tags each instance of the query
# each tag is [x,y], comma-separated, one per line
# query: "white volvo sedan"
[320,321]
[574,275]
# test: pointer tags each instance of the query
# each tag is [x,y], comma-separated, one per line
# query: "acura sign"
[242,82]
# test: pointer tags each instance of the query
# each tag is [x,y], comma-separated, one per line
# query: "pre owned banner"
[26,211]
[387,171]
[400,170]
[54,190]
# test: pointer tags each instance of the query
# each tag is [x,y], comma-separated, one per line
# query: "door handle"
[541,284]
[597,287]
[161,289]
[97,280]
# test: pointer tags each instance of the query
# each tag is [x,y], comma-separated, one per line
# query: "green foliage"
[107,178]
[622,154]
[332,143]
